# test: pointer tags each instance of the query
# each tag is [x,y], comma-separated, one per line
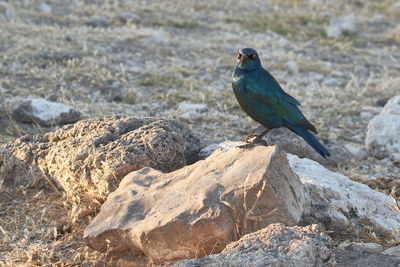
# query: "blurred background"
[174,59]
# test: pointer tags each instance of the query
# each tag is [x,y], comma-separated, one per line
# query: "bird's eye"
[253,56]
[239,56]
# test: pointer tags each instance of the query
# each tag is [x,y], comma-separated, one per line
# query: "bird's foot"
[253,140]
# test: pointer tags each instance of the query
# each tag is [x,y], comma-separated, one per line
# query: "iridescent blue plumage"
[262,98]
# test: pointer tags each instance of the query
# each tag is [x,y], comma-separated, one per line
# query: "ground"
[177,51]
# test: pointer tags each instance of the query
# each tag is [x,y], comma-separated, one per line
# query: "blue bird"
[262,98]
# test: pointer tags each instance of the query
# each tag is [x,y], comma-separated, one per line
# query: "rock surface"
[371,247]
[342,205]
[383,138]
[43,112]
[198,209]
[394,253]
[275,245]
[92,156]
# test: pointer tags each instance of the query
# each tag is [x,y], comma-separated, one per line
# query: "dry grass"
[182,51]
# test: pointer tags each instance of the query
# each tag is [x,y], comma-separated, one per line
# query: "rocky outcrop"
[200,208]
[383,138]
[91,156]
[343,206]
[275,245]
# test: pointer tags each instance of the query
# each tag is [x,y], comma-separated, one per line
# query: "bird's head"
[247,59]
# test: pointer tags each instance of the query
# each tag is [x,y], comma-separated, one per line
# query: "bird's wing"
[264,88]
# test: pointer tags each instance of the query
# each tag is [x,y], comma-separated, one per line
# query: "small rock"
[190,116]
[396,5]
[198,209]
[371,247]
[365,115]
[292,67]
[7,10]
[185,107]
[191,111]
[339,25]
[154,36]
[45,8]
[128,16]
[383,138]
[356,150]
[43,112]
[114,90]
[316,76]
[275,245]
[97,21]
[337,73]
[378,17]
[331,82]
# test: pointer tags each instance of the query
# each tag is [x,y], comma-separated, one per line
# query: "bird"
[264,100]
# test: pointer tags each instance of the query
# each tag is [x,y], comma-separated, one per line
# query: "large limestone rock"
[200,208]
[383,136]
[344,206]
[275,245]
[91,156]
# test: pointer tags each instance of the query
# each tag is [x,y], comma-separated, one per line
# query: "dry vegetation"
[183,51]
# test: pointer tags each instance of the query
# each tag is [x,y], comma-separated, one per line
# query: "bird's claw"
[252,140]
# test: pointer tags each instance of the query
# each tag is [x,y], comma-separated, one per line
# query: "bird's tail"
[306,135]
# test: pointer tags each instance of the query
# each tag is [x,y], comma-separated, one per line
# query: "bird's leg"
[256,140]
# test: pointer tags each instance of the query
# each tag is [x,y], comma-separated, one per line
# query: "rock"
[90,157]
[392,106]
[383,138]
[354,246]
[316,76]
[356,150]
[43,112]
[114,90]
[128,16]
[198,209]
[275,245]
[339,25]
[191,111]
[394,253]
[362,258]
[153,36]
[45,8]
[97,21]
[396,5]
[342,205]
[7,10]
[292,67]
[331,82]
